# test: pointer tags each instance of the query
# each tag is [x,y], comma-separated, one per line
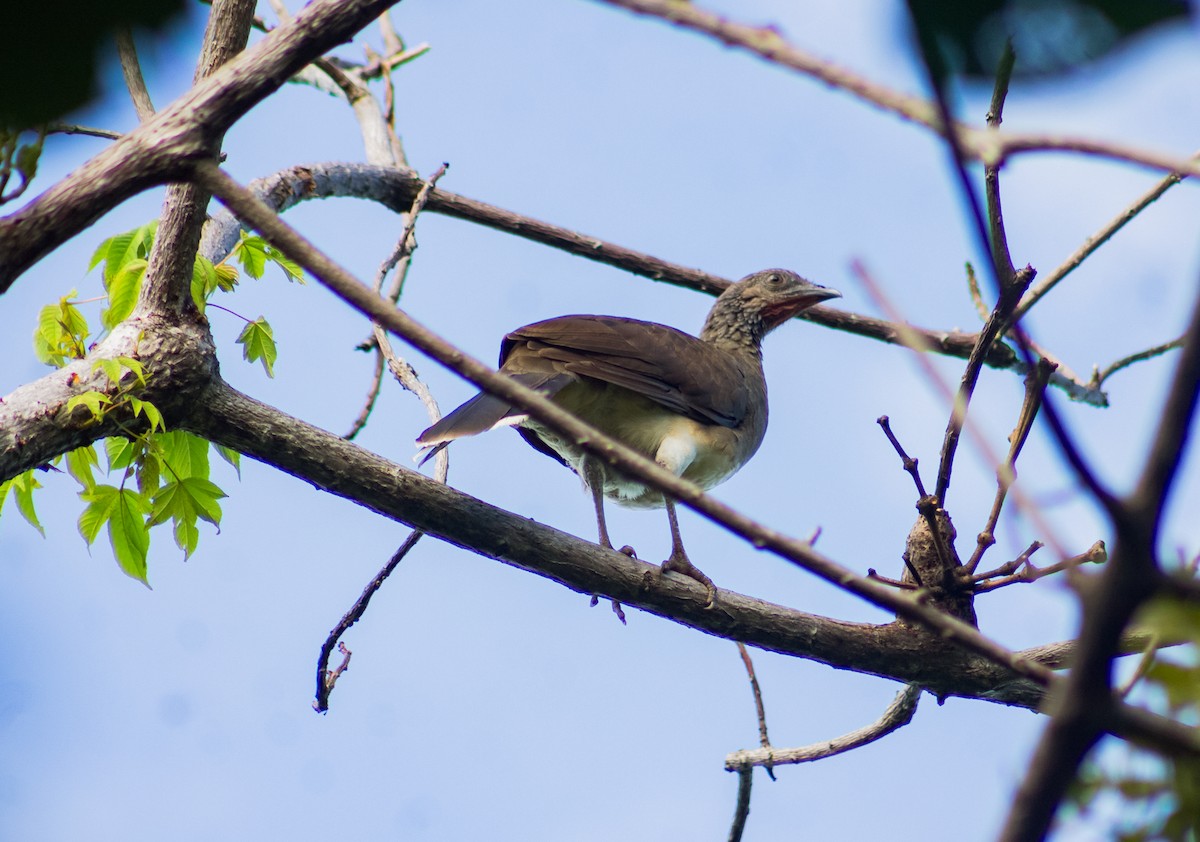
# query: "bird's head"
[759,303]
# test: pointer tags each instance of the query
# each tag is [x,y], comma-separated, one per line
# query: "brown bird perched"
[698,407]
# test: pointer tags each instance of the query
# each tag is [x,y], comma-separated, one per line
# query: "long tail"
[482,413]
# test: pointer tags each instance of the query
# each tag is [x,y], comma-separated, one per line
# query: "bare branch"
[989,146]
[132,70]
[1098,376]
[1098,239]
[760,711]
[909,463]
[324,684]
[1006,475]
[71,128]
[1010,293]
[360,422]
[1004,575]
[742,809]
[898,714]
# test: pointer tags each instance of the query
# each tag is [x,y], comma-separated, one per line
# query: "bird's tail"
[482,413]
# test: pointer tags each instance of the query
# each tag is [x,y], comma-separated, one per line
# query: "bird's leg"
[678,560]
[593,477]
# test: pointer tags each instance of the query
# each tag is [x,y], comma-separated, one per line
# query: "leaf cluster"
[160,476]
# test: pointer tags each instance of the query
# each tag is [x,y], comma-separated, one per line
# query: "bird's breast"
[706,454]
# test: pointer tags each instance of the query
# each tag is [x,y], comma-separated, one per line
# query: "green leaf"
[187,499]
[27,159]
[123,511]
[183,454]
[123,292]
[258,343]
[121,452]
[183,502]
[149,473]
[82,463]
[135,368]
[231,456]
[153,416]
[290,267]
[116,252]
[251,252]
[187,537]
[204,280]
[23,486]
[96,402]
[99,499]
[61,333]
[111,369]
[227,277]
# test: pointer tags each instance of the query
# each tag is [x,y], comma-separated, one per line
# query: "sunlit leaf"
[96,403]
[123,292]
[258,343]
[251,252]
[231,456]
[82,463]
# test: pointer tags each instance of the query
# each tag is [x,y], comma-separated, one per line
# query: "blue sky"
[482,702]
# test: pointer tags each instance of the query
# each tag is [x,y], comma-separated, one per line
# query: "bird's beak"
[815,295]
[780,312]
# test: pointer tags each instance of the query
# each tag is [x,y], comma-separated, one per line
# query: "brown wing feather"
[665,365]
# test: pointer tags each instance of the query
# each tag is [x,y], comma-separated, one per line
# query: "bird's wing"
[668,366]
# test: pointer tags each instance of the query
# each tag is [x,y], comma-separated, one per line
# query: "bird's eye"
[773,279]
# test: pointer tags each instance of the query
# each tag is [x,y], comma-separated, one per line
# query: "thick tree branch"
[345,469]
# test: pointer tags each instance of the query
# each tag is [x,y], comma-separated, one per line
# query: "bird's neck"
[732,328]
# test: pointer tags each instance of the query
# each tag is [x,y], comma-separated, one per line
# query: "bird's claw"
[616,607]
[681,564]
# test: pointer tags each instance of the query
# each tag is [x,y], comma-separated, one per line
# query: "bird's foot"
[616,607]
[679,563]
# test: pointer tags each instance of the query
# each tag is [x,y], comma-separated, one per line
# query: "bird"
[697,406]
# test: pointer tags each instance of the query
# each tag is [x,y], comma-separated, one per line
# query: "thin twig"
[741,810]
[407,243]
[71,128]
[364,414]
[1098,239]
[988,146]
[1143,666]
[872,573]
[1006,475]
[976,294]
[898,714]
[909,463]
[324,686]
[763,739]
[1001,256]
[1098,376]
[131,68]
[875,293]
[1009,567]
[1095,554]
